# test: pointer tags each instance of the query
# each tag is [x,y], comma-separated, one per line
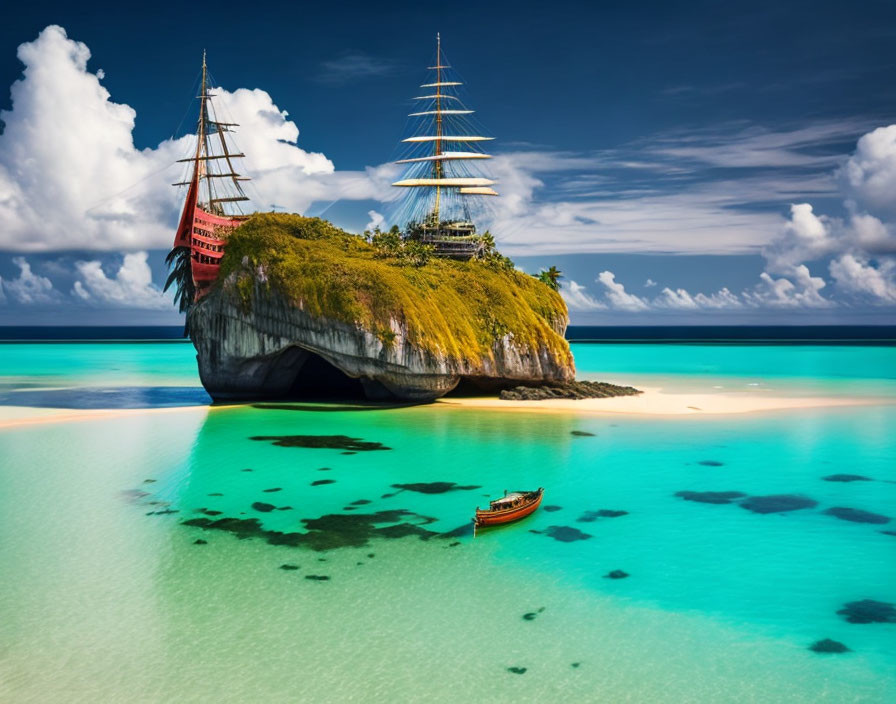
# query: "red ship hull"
[206,235]
[207,241]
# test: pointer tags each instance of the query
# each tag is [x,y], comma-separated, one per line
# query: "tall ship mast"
[212,207]
[443,162]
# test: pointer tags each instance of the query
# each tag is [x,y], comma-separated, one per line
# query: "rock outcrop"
[301,308]
[575,390]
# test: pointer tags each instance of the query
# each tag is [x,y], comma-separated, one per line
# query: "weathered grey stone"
[260,353]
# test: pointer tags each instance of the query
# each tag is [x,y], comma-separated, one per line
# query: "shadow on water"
[329,406]
[99,397]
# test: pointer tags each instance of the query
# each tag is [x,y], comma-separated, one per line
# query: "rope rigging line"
[125,190]
[163,168]
[252,184]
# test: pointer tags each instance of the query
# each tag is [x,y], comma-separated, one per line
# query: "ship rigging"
[212,207]
[442,167]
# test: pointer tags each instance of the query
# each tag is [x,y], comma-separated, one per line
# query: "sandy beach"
[18,416]
[656,402]
[652,402]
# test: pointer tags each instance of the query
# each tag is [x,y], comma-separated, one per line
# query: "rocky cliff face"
[262,354]
[270,327]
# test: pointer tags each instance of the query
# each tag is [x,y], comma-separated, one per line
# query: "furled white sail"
[446,156]
[441,112]
[445,182]
[429,97]
[444,138]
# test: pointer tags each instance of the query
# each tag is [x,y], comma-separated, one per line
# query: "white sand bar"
[656,402]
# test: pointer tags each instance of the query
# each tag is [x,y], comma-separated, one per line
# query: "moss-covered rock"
[293,291]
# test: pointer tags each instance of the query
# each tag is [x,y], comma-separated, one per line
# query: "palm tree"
[178,261]
[551,277]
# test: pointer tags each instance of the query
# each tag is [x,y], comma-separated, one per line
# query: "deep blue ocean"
[778,334]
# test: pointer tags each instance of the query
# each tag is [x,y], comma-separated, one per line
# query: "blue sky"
[680,162]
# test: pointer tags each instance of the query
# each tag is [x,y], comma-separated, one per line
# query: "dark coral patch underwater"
[856,515]
[564,534]
[327,442]
[828,646]
[868,611]
[777,503]
[616,574]
[434,487]
[334,530]
[591,516]
[532,615]
[711,497]
[846,478]
[461,531]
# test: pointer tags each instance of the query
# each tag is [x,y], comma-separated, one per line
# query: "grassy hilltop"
[450,307]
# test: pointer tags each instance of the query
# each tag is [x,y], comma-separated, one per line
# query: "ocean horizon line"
[876,335]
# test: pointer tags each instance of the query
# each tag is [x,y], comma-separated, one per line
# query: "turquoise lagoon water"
[105,596]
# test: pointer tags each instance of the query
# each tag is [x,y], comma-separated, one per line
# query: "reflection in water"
[333,407]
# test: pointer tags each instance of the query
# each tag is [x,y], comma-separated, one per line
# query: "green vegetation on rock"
[448,307]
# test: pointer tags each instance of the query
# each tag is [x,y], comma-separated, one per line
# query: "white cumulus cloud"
[577,298]
[376,220]
[71,177]
[870,173]
[28,287]
[130,287]
[856,275]
[804,237]
[678,299]
[722,298]
[617,296]
[801,292]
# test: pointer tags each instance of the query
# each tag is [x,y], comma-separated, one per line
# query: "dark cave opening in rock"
[474,387]
[319,380]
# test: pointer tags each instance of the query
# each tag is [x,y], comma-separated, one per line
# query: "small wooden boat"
[511,507]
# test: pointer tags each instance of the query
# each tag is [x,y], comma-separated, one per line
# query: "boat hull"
[497,518]
[207,243]
[206,235]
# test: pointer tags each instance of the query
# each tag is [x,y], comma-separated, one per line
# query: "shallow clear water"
[103,598]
